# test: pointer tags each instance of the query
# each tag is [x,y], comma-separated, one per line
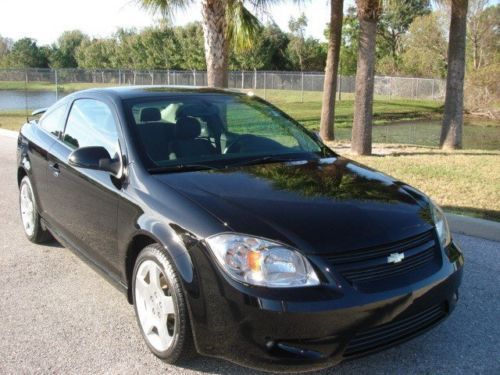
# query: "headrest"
[187,128]
[196,110]
[150,114]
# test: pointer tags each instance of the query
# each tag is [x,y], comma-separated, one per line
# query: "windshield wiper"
[269,159]
[182,168]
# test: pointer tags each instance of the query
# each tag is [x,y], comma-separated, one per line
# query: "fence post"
[302,87]
[194,77]
[390,88]
[340,87]
[175,78]
[152,78]
[242,79]
[433,81]
[255,78]
[57,88]
[265,85]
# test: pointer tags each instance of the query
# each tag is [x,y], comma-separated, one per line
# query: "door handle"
[54,167]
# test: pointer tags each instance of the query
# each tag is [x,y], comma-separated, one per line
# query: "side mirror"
[97,158]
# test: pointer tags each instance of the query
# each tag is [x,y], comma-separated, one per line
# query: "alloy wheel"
[27,209]
[155,305]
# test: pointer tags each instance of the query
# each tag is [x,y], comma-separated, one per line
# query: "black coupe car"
[234,231]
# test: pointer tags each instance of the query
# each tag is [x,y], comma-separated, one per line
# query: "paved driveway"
[57,315]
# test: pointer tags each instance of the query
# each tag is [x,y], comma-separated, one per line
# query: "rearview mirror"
[97,158]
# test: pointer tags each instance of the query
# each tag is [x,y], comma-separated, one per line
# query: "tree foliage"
[96,53]
[63,53]
[482,92]
[425,47]
[25,53]
[393,25]
[483,34]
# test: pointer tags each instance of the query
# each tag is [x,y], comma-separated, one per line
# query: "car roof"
[134,92]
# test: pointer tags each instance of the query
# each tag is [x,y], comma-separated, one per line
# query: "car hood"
[320,207]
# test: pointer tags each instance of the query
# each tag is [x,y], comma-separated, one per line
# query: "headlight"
[261,262]
[442,228]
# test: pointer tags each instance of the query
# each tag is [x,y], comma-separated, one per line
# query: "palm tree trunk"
[331,71]
[216,42]
[451,132]
[363,106]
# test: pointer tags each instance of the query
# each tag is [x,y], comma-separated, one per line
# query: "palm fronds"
[242,25]
[166,8]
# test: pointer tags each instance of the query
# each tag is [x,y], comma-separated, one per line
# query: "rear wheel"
[160,306]
[29,213]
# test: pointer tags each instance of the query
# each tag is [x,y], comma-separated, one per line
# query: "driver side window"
[91,123]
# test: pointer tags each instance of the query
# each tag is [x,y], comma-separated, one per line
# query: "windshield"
[216,131]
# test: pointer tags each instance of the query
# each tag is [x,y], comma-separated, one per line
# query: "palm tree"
[368,14]
[225,23]
[452,129]
[331,70]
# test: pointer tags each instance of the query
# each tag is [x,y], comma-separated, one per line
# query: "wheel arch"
[138,242]
[178,254]
[21,173]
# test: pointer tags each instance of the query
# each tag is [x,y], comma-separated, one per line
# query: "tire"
[30,217]
[152,307]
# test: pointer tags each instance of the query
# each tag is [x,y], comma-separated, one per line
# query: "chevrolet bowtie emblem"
[395,257]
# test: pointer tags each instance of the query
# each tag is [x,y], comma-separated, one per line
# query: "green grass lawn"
[464,182]
[12,120]
[385,109]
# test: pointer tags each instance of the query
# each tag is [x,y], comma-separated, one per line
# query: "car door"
[47,131]
[83,203]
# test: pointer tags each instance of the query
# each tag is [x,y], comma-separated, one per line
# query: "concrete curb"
[9,133]
[471,226]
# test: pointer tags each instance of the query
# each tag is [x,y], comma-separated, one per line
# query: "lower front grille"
[394,332]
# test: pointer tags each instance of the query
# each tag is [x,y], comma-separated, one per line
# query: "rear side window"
[53,121]
[91,123]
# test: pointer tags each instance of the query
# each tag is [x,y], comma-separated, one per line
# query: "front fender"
[173,242]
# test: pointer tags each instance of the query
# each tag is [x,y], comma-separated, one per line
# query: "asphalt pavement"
[58,316]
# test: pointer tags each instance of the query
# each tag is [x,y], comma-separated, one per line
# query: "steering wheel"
[236,143]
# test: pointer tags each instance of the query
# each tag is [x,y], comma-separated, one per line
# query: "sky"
[46,20]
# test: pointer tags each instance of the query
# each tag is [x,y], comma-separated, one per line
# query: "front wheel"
[160,306]
[29,213]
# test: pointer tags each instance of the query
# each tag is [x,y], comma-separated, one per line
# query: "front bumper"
[313,328]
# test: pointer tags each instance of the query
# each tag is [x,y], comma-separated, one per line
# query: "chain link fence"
[49,80]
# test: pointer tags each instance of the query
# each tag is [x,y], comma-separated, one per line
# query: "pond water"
[17,99]
[484,136]
[477,135]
